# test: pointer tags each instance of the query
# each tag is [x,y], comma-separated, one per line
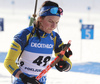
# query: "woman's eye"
[56,22]
[50,21]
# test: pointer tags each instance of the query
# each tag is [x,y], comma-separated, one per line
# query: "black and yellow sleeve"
[12,55]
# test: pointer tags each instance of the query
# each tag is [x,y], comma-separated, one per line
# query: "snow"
[56,77]
[85,52]
[5,76]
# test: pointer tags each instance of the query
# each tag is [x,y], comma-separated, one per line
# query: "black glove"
[29,80]
[61,47]
[62,66]
[68,53]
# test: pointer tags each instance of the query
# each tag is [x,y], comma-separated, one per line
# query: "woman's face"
[48,23]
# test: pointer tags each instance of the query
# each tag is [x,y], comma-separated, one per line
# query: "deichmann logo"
[39,45]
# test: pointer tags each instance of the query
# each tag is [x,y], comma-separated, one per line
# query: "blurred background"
[80,23]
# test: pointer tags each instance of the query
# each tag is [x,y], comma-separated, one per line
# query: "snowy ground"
[55,77]
[86,53]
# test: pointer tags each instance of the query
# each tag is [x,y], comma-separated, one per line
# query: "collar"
[42,33]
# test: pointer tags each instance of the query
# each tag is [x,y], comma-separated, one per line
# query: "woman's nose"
[53,25]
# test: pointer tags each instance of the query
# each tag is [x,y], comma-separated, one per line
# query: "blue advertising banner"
[1,24]
[87,31]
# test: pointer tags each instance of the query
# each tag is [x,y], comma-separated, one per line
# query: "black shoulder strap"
[31,34]
[54,39]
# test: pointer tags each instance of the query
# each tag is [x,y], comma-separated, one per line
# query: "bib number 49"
[40,60]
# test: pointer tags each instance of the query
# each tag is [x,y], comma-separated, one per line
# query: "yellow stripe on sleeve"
[12,55]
